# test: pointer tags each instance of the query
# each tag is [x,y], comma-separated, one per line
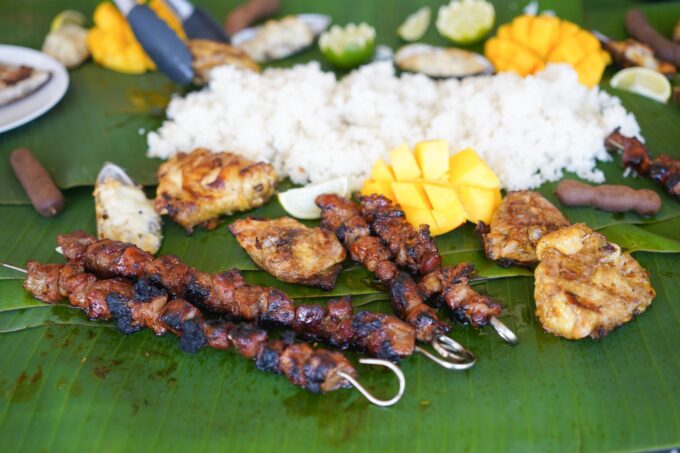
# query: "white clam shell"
[317,23]
[442,62]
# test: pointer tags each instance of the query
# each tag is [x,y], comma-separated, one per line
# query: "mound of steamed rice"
[312,127]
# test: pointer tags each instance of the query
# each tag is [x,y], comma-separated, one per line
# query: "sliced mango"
[466,167]
[431,195]
[418,216]
[433,158]
[381,171]
[479,203]
[443,198]
[404,163]
[410,194]
[447,221]
[528,43]
[378,187]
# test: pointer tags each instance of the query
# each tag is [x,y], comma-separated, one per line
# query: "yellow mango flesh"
[410,194]
[466,167]
[418,216]
[382,172]
[528,43]
[479,203]
[378,187]
[446,221]
[404,163]
[430,196]
[433,158]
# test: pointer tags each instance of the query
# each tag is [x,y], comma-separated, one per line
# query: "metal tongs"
[161,43]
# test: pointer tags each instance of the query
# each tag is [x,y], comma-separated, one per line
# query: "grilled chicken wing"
[290,251]
[198,187]
[522,219]
[585,285]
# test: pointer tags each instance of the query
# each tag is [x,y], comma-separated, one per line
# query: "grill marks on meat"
[196,188]
[345,218]
[227,293]
[413,250]
[290,251]
[664,169]
[313,369]
[585,285]
[522,219]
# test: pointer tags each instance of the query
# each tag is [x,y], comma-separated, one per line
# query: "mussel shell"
[317,23]
[441,62]
[113,171]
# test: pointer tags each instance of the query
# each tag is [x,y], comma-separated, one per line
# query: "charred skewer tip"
[378,402]
[504,331]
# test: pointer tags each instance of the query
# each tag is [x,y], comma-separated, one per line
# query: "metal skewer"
[378,402]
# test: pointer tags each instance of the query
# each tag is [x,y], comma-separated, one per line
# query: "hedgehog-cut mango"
[528,43]
[435,189]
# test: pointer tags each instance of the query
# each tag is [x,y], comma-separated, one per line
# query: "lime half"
[301,203]
[466,21]
[68,17]
[643,81]
[348,47]
[415,25]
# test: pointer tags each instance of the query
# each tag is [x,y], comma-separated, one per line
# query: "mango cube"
[467,168]
[404,163]
[381,171]
[447,221]
[433,158]
[378,187]
[418,216]
[410,194]
[443,198]
[480,203]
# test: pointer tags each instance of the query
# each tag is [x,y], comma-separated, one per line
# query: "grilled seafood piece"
[290,251]
[522,219]
[585,285]
[210,54]
[196,188]
[123,211]
[441,61]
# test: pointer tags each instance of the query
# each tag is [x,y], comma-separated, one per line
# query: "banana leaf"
[92,387]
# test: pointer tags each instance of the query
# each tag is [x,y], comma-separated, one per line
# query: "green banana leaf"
[91,388]
[67,383]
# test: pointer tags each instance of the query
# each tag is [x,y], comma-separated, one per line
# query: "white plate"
[40,101]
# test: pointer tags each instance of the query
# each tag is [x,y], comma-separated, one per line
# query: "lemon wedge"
[415,25]
[68,17]
[466,21]
[300,203]
[643,81]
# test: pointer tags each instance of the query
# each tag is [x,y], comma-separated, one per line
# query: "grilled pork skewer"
[316,370]
[379,335]
[664,169]
[344,217]
[406,247]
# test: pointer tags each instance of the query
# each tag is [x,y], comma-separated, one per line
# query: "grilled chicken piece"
[198,187]
[585,285]
[290,251]
[516,227]
[210,54]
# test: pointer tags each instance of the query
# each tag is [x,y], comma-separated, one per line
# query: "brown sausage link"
[39,186]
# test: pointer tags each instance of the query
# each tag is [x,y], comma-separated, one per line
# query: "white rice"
[314,128]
